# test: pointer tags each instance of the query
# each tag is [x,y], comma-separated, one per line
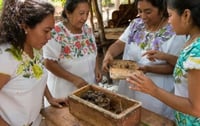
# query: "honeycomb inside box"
[100,107]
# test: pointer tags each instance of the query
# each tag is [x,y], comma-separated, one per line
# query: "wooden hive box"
[98,116]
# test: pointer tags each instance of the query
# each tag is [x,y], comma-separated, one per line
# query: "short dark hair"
[70,6]
[192,5]
[160,4]
[17,12]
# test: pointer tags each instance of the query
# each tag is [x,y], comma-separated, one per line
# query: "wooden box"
[98,116]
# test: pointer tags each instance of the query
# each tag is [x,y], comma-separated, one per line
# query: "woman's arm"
[159,69]
[190,105]
[58,102]
[3,122]
[154,54]
[98,74]
[114,50]
[4,79]
[57,70]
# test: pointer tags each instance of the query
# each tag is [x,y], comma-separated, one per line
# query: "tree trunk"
[117,3]
[99,21]
[91,15]
[99,3]
[101,32]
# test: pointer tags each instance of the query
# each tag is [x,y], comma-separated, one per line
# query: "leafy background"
[1,4]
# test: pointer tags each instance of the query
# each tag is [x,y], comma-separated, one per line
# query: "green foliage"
[60,1]
[124,2]
[1,5]
[106,2]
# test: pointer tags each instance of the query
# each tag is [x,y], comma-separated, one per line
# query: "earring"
[26,32]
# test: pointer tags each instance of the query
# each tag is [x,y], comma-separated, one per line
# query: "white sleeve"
[8,64]
[192,63]
[125,35]
[174,45]
[52,50]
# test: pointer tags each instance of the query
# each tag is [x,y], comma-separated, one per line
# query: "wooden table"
[62,117]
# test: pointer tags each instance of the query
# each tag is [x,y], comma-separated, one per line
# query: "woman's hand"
[114,50]
[143,68]
[106,62]
[3,122]
[58,102]
[98,75]
[79,82]
[152,55]
[139,82]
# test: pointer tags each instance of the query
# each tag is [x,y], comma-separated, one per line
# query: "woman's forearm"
[47,93]
[171,59]
[155,54]
[181,104]
[4,80]
[159,69]
[116,48]
[3,122]
[97,62]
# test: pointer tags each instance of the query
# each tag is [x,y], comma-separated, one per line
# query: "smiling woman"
[70,56]
[150,31]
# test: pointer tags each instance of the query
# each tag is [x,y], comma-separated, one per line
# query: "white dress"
[137,41]
[76,53]
[21,98]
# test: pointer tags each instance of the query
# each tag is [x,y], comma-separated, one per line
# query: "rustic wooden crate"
[97,116]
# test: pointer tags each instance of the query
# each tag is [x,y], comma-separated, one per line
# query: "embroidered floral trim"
[17,54]
[192,63]
[188,59]
[74,46]
[29,68]
[148,40]
[186,120]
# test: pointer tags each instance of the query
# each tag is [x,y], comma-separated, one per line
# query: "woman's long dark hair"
[192,5]
[17,12]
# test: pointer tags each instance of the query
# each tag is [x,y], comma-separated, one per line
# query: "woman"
[71,54]
[24,28]
[184,18]
[148,32]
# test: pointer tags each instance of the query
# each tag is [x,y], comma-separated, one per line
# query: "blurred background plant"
[106,3]
[1,5]
[62,2]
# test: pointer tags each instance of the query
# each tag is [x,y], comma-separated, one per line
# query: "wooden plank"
[113,33]
[62,117]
